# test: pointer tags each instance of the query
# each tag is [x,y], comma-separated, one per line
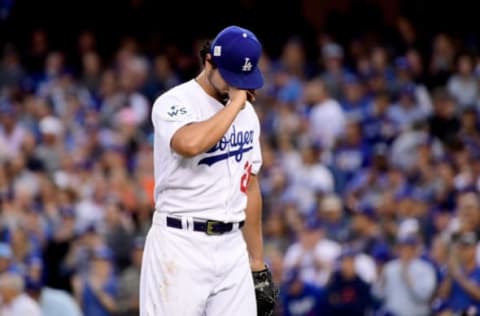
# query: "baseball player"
[206,157]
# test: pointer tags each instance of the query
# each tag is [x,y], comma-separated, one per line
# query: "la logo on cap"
[247,66]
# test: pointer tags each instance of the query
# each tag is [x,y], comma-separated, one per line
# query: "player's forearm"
[252,231]
[199,137]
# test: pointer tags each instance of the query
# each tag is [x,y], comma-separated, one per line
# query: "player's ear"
[205,55]
[210,61]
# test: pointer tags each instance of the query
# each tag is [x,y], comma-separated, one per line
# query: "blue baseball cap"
[402,63]
[103,253]
[408,240]
[381,253]
[351,79]
[347,252]
[311,224]
[236,51]
[366,209]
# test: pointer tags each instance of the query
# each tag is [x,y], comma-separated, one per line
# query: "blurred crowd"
[370,177]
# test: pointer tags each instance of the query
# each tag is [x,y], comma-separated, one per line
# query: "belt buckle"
[210,230]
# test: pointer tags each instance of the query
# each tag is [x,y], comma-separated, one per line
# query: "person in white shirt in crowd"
[404,70]
[407,284]
[50,150]
[330,210]
[53,302]
[335,72]
[12,133]
[309,179]
[327,119]
[13,300]
[463,85]
[405,151]
[408,111]
[314,255]
[132,76]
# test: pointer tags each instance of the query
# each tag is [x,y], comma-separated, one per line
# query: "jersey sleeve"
[169,114]
[257,151]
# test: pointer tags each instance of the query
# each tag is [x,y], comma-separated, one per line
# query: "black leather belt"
[209,227]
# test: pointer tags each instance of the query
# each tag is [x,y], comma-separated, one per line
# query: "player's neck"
[202,80]
[206,85]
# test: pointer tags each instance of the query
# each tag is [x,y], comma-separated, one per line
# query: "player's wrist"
[238,104]
[257,265]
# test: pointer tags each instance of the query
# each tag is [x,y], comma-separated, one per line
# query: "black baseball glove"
[265,291]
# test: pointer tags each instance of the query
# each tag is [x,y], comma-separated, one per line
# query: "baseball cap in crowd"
[51,125]
[33,285]
[347,252]
[408,240]
[236,51]
[381,253]
[331,203]
[312,224]
[67,212]
[402,63]
[408,226]
[332,50]
[5,251]
[350,79]
[468,239]
[366,209]
[103,253]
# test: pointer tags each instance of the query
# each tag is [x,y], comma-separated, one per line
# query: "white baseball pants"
[189,273]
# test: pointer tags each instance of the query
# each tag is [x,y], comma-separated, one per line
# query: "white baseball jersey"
[211,185]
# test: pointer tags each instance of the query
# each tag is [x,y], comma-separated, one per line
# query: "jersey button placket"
[228,193]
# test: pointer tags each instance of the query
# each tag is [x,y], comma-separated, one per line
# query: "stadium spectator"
[459,288]
[129,282]
[407,284]
[347,293]
[373,136]
[14,300]
[97,291]
[300,298]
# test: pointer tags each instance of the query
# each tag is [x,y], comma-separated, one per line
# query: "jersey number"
[245,177]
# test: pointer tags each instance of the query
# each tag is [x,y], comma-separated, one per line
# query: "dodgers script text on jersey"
[235,144]
[228,163]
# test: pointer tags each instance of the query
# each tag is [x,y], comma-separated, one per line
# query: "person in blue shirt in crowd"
[460,287]
[97,292]
[347,293]
[350,155]
[378,127]
[355,101]
[365,235]
[299,298]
